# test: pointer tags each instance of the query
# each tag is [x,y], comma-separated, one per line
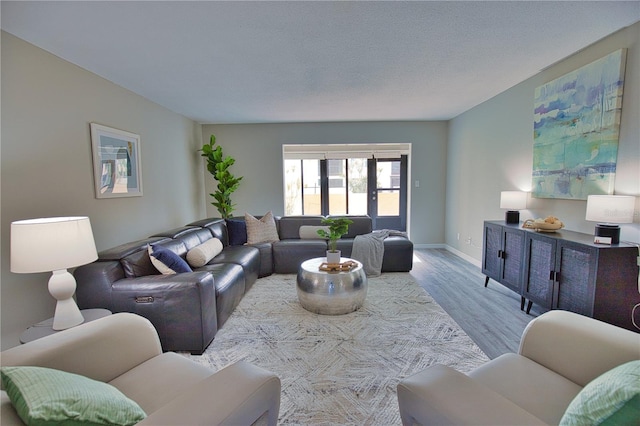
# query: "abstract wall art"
[576,129]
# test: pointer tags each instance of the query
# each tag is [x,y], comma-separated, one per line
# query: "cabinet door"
[575,267]
[492,244]
[540,256]
[512,257]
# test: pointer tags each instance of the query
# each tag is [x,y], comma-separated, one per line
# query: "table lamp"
[609,211]
[513,201]
[54,244]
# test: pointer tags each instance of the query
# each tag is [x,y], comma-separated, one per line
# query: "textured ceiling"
[257,62]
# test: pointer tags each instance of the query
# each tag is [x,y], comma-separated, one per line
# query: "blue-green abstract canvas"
[576,129]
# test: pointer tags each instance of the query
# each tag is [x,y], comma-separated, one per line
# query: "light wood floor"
[490,316]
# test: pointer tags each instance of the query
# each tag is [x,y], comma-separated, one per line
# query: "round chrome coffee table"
[329,292]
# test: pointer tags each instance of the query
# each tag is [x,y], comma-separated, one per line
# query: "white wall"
[46,165]
[491,149]
[257,149]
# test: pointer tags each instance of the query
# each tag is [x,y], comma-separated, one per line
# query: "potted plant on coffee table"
[337,227]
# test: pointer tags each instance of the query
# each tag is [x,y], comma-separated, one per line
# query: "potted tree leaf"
[337,227]
[218,165]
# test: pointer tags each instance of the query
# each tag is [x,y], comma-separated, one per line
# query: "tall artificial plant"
[338,226]
[218,165]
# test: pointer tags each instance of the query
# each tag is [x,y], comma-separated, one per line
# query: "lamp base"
[62,285]
[608,230]
[512,216]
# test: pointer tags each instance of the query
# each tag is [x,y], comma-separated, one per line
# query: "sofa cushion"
[289,254]
[361,225]
[614,393]
[201,254]
[261,230]
[177,374]
[166,261]
[520,379]
[237,229]
[311,232]
[138,264]
[47,396]
[289,226]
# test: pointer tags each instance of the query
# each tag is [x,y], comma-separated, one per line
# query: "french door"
[387,201]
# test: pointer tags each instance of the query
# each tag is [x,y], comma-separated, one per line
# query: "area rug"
[343,369]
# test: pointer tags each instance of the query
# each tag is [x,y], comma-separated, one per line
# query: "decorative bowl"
[543,226]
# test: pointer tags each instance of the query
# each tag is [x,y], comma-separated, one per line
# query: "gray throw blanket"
[369,250]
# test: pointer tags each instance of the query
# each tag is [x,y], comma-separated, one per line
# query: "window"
[355,179]
[302,187]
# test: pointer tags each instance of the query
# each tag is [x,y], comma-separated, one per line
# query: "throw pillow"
[261,231]
[311,231]
[237,229]
[606,395]
[166,261]
[201,254]
[43,396]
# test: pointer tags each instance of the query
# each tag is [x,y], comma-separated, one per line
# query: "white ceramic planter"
[333,256]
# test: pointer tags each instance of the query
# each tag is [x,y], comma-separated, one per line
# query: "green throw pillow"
[43,396]
[611,398]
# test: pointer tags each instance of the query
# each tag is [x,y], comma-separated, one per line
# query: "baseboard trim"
[429,246]
[466,257]
[447,247]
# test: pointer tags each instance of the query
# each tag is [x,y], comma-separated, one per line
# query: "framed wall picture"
[117,168]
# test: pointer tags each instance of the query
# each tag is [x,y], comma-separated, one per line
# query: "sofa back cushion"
[138,264]
[361,225]
[290,225]
[217,226]
[194,238]
[220,231]
[133,257]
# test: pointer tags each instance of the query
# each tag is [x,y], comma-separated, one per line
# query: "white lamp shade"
[51,244]
[610,208]
[513,200]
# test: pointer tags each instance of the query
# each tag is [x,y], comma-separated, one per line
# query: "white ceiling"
[260,62]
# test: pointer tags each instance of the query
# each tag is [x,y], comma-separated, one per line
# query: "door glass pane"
[337,187]
[388,180]
[357,186]
[311,190]
[388,202]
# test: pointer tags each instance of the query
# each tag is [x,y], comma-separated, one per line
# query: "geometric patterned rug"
[342,369]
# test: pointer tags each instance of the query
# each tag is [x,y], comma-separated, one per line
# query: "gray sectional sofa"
[188,308]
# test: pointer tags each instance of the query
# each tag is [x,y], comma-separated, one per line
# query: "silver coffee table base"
[331,293]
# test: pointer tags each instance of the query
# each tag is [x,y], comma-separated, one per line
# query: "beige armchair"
[124,351]
[560,352]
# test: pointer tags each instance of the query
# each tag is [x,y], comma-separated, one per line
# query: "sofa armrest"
[441,395]
[238,394]
[102,349]
[577,347]
[182,307]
